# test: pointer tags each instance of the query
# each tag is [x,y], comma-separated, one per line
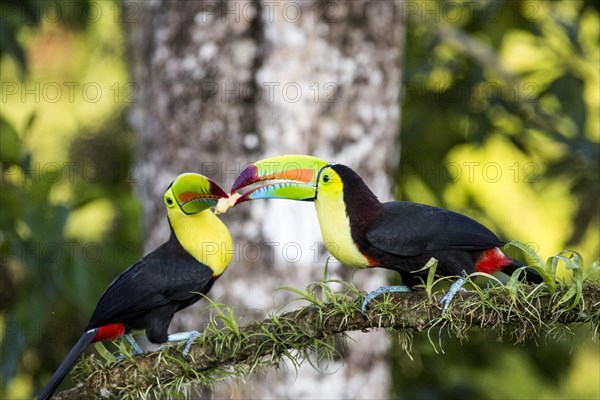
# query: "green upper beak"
[195,193]
[291,177]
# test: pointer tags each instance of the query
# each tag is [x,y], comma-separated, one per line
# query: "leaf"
[431,265]
[325,287]
[513,282]
[225,314]
[10,143]
[524,253]
[592,273]
[304,294]
[104,353]
[574,263]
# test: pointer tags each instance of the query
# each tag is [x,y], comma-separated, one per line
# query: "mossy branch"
[227,350]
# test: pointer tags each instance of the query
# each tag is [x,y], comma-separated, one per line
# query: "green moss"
[227,352]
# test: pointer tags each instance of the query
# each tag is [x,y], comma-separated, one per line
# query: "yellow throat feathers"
[335,228]
[204,236]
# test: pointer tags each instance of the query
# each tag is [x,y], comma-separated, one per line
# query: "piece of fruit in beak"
[225,203]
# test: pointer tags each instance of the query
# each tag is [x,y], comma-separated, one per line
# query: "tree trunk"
[224,84]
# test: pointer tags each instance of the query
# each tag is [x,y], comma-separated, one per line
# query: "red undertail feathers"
[492,260]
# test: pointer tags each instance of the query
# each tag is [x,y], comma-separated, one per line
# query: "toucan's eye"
[169,201]
[325,178]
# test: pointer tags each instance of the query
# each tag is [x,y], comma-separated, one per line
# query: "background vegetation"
[500,120]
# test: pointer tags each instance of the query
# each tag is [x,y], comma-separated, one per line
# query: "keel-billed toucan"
[169,279]
[362,232]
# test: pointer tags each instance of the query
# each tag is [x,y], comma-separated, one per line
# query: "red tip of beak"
[216,190]
[248,176]
[242,198]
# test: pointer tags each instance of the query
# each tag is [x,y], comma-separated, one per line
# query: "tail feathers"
[67,363]
[531,275]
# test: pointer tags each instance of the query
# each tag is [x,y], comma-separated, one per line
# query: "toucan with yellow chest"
[361,232]
[169,279]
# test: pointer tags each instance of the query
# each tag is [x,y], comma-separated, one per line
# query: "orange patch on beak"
[189,196]
[301,175]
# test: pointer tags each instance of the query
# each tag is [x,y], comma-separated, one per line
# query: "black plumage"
[403,236]
[144,296]
[150,292]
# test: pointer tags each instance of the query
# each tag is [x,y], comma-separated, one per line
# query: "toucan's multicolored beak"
[195,193]
[291,177]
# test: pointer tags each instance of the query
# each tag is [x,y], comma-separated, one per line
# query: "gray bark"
[224,84]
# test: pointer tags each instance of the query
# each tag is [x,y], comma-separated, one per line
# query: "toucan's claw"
[136,347]
[187,336]
[382,290]
[455,288]
[137,350]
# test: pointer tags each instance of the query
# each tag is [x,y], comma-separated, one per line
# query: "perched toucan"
[362,232]
[169,279]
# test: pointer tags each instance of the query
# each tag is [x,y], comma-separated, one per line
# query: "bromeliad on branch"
[169,279]
[362,232]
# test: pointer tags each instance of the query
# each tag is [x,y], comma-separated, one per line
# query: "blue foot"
[382,290]
[455,288]
[136,348]
[188,336]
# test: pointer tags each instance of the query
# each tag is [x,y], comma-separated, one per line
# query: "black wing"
[162,277]
[409,229]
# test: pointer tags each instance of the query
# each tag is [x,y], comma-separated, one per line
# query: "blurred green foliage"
[18,13]
[518,80]
[69,222]
[500,120]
